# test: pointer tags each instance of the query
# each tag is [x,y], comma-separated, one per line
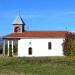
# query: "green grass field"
[37,66]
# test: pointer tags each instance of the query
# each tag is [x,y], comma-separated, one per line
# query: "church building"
[33,43]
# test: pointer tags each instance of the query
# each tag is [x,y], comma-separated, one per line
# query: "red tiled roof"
[40,34]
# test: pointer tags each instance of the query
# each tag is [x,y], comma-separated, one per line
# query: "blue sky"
[38,14]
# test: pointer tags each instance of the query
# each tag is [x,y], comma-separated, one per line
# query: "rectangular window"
[49,45]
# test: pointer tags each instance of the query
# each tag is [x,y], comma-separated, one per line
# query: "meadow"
[37,66]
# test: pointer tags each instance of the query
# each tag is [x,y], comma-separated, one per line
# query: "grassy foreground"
[37,66]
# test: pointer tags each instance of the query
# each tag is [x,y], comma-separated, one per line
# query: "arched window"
[49,45]
[30,51]
[17,29]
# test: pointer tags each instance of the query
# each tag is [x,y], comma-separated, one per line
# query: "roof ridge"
[40,34]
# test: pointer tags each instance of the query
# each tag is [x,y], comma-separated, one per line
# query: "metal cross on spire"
[19,12]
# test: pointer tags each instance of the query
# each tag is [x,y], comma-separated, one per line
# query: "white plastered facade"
[40,47]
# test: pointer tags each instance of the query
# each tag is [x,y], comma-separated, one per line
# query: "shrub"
[69,45]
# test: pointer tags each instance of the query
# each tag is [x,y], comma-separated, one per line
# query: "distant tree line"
[1,45]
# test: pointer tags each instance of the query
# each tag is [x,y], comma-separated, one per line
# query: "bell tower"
[18,25]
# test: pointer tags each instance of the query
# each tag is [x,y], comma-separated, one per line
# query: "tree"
[69,44]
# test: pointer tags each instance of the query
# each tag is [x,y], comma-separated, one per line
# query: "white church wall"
[40,47]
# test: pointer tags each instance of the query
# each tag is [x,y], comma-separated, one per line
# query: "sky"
[38,14]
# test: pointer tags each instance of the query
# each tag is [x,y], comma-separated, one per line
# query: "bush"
[69,45]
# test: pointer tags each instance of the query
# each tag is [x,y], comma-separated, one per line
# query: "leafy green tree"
[69,44]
